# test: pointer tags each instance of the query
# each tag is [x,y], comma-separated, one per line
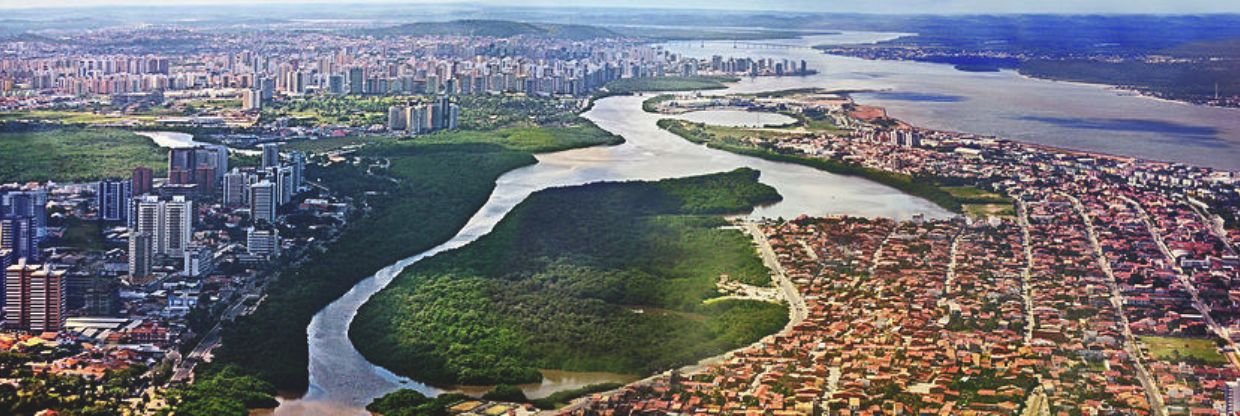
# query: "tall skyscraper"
[140,254]
[251,99]
[181,165]
[114,198]
[30,204]
[17,236]
[216,157]
[236,188]
[34,298]
[396,118]
[271,156]
[297,161]
[202,165]
[170,223]
[357,81]
[143,180]
[335,84]
[263,200]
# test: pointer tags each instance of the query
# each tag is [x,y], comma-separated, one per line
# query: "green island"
[72,154]
[602,277]
[731,139]
[433,185]
[634,85]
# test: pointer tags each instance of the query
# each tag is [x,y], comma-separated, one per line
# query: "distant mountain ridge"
[492,28]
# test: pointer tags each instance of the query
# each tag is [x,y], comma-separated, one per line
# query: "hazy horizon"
[881,6]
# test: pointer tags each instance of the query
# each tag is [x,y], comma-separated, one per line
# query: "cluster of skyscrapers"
[424,118]
[33,296]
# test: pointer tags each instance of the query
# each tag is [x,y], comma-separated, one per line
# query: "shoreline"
[1061,149]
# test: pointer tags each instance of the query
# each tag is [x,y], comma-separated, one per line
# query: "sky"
[875,6]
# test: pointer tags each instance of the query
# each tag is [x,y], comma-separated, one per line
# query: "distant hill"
[491,28]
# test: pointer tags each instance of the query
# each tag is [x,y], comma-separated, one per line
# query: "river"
[343,382]
[1005,104]
[176,140]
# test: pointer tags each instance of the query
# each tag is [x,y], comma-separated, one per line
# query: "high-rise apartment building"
[34,298]
[143,181]
[113,197]
[169,222]
[297,161]
[271,155]
[141,252]
[236,188]
[17,235]
[263,202]
[285,186]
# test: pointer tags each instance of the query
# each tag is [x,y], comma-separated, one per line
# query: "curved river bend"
[342,381]
[937,96]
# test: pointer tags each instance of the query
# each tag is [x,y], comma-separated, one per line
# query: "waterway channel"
[1062,114]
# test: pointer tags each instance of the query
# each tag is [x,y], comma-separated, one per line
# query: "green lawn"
[1178,350]
[75,154]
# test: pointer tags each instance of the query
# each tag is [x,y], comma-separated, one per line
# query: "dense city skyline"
[552,208]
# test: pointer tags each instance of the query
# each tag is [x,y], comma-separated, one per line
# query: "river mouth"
[343,382]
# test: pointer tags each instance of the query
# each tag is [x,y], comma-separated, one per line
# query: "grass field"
[1183,349]
[976,195]
[989,210]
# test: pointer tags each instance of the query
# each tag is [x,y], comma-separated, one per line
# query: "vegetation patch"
[1179,350]
[632,85]
[735,140]
[431,189]
[563,282]
[74,154]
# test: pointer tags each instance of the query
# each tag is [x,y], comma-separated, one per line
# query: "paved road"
[1026,275]
[184,370]
[1188,284]
[1117,301]
[796,304]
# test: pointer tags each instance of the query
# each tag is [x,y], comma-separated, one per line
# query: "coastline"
[1061,149]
